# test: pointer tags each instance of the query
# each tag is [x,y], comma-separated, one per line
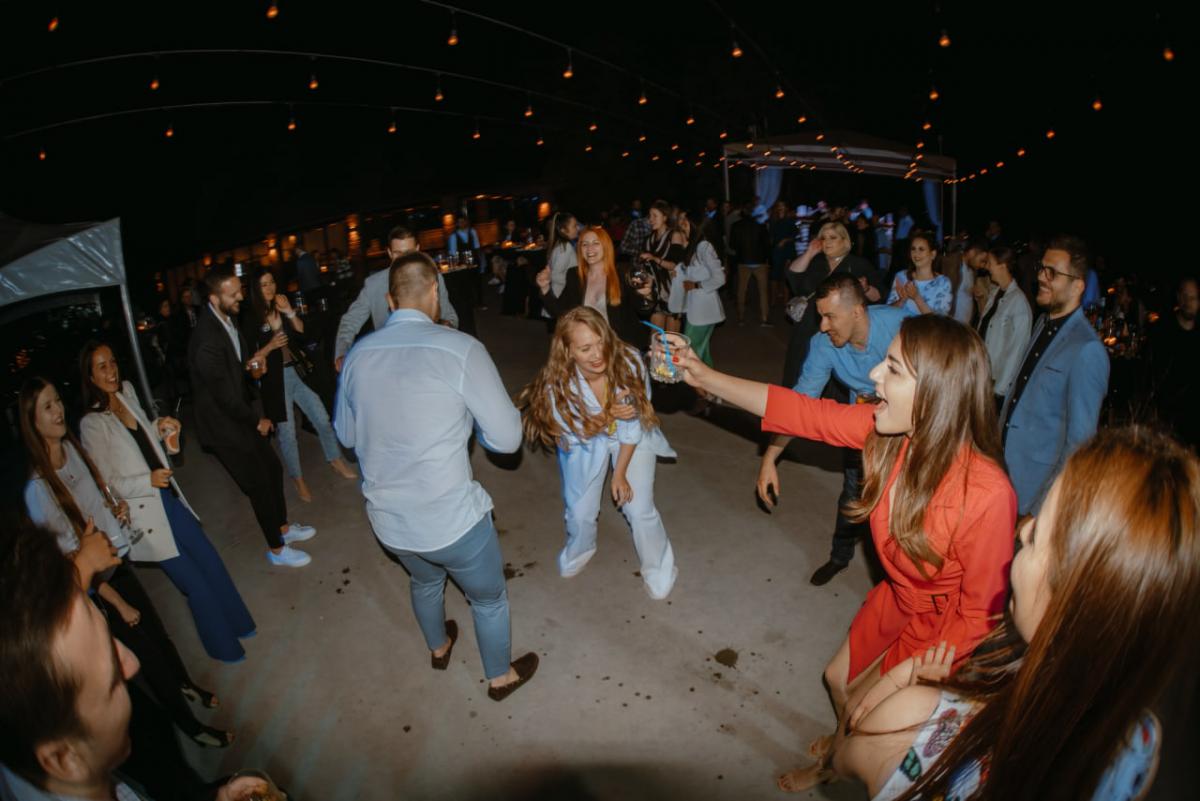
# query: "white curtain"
[767,183]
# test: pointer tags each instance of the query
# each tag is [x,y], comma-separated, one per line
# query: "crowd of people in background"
[963,379]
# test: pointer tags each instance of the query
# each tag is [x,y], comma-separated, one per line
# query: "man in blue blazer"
[1054,404]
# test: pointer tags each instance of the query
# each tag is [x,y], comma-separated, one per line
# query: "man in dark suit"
[227,422]
[1054,405]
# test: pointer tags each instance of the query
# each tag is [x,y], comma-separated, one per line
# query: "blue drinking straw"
[666,344]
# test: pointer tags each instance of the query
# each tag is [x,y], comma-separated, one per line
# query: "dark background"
[1121,177]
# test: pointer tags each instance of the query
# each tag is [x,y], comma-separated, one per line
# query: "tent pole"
[954,204]
[725,169]
[127,306]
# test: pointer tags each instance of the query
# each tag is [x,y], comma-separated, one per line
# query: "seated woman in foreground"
[940,506]
[1105,586]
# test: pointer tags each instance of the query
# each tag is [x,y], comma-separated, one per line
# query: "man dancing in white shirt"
[408,398]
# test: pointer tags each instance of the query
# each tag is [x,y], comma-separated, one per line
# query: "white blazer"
[702,305]
[119,459]
[1007,336]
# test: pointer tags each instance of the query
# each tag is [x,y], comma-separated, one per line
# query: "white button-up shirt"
[408,398]
[227,324]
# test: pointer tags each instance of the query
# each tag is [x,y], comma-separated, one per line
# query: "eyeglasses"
[1046,269]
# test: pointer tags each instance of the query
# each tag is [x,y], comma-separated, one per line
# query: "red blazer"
[970,523]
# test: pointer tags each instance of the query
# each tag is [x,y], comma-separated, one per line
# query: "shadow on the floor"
[591,782]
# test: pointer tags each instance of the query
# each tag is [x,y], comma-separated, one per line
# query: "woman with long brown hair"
[591,403]
[127,446]
[1105,588]
[940,506]
[67,495]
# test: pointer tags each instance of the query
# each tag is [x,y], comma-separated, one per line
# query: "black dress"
[270,386]
[625,319]
[806,283]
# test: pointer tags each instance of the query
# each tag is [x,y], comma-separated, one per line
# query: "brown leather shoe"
[441,662]
[526,666]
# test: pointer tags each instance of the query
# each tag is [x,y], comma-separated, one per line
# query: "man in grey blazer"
[1054,404]
[372,299]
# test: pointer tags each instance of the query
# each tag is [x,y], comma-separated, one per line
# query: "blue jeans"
[845,533]
[476,565]
[296,392]
[220,614]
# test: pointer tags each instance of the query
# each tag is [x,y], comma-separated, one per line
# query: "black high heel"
[208,737]
[194,694]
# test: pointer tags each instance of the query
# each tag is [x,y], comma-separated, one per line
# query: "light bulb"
[154,84]
[312,82]
[52,26]
[272,11]
[737,51]
[944,39]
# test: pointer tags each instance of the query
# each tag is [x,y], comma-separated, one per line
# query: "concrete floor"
[337,700]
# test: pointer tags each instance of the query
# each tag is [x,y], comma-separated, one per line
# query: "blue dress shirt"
[408,397]
[848,364]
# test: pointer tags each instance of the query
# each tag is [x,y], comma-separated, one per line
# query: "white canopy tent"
[47,266]
[846,152]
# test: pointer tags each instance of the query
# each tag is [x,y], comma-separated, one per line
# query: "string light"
[452,39]
[944,39]
[392,126]
[927,126]
[1021,153]
[52,26]
[642,138]
[272,11]
[154,84]
[654,157]
[642,99]
[593,127]
[1097,105]
[1168,53]
[820,137]
[778,91]
[723,135]
[569,72]
[42,154]
[1050,134]
[170,132]
[540,141]
[934,94]
[736,52]
[920,145]
[292,123]
[438,97]
[674,147]
[587,149]
[528,111]
[312,82]
[625,154]
[999,165]
[691,120]
[801,120]
[476,135]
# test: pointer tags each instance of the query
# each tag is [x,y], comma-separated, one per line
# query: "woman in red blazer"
[941,509]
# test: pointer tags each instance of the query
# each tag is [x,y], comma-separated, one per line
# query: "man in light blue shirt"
[854,338]
[408,399]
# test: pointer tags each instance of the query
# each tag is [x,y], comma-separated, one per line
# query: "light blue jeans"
[475,563]
[296,392]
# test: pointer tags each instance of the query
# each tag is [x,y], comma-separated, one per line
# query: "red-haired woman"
[940,506]
[591,403]
[1059,708]
[596,283]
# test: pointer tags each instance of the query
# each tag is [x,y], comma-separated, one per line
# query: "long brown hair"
[1124,579]
[39,453]
[557,385]
[94,398]
[952,409]
[612,280]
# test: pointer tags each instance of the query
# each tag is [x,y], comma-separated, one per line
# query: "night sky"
[231,174]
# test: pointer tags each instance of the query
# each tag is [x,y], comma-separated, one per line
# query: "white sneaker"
[298,533]
[288,557]
[494,282]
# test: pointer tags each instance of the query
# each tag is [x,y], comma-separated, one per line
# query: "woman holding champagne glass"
[128,450]
[68,495]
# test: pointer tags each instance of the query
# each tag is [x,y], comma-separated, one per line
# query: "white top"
[1007,336]
[561,259]
[408,398]
[702,304]
[45,511]
[964,300]
[227,324]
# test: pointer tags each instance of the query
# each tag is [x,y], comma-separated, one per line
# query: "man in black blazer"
[229,424]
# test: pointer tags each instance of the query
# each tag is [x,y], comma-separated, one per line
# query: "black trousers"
[162,667]
[259,475]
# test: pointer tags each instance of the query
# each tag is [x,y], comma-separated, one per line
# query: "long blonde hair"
[557,385]
[952,408]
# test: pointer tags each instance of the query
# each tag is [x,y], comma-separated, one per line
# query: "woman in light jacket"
[127,449]
[591,402]
[695,283]
[1006,324]
[69,496]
